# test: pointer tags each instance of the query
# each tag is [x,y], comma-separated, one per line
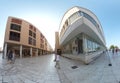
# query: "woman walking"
[57,59]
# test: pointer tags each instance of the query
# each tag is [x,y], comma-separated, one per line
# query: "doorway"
[80,46]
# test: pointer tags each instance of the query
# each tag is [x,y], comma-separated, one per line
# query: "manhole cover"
[74,67]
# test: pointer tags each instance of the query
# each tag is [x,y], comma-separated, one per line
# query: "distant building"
[25,39]
[80,35]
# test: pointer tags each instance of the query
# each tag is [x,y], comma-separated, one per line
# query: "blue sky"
[47,14]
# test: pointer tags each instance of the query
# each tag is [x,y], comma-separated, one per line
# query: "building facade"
[81,34]
[25,39]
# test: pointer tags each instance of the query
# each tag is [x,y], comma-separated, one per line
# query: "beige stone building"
[25,39]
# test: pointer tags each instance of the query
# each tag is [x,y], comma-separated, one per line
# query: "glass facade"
[89,18]
[76,45]
[92,46]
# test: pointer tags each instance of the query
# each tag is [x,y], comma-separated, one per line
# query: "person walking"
[57,59]
[13,56]
[113,51]
[116,50]
[10,56]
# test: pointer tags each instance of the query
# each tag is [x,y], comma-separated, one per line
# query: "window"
[34,35]
[15,27]
[88,45]
[14,36]
[34,29]
[34,42]
[42,41]
[90,18]
[66,23]
[80,13]
[46,44]
[30,27]
[41,35]
[16,21]
[74,17]
[41,46]
[30,32]
[63,27]
[30,40]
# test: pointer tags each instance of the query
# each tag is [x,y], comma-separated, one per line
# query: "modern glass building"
[81,35]
[25,39]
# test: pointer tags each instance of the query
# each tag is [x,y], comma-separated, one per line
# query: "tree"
[112,47]
[116,47]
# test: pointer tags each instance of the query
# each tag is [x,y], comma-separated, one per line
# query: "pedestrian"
[116,50]
[113,51]
[57,59]
[10,56]
[13,58]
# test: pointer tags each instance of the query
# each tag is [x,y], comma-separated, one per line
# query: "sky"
[46,15]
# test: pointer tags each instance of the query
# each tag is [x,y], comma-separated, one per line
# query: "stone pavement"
[41,70]
[29,70]
[97,71]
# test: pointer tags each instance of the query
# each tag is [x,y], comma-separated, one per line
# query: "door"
[80,46]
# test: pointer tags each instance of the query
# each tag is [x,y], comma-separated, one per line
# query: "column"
[85,49]
[36,52]
[84,44]
[20,51]
[5,51]
[31,51]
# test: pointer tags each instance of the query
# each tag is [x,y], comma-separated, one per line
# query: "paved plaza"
[41,70]
[97,71]
[29,70]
